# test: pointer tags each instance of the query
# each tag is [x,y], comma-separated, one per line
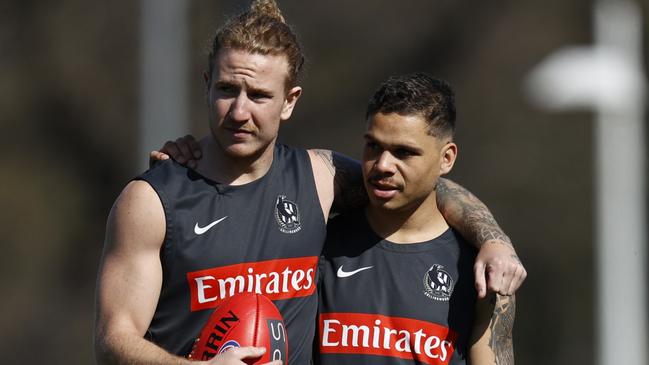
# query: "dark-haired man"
[397,282]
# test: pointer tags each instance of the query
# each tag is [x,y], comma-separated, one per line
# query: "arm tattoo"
[348,181]
[327,158]
[501,326]
[466,213]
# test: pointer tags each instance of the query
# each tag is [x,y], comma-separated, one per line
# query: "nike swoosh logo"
[200,230]
[345,274]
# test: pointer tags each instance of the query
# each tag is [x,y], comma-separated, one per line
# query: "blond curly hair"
[261,29]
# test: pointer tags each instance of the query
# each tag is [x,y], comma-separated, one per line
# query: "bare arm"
[492,340]
[129,280]
[129,283]
[466,213]
[497,267]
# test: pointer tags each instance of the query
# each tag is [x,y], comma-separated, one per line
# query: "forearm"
[467,214]
[131,349]
[492,342]
[501,327]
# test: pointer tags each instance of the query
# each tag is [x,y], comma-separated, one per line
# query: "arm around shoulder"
[497,265]
[466,213]
[130,278]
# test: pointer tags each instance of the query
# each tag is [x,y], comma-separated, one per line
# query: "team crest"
[287,215]
[438,283]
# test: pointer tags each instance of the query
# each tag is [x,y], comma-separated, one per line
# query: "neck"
[408,225]
[219,166]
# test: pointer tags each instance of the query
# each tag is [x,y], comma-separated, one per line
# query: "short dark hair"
[419,94]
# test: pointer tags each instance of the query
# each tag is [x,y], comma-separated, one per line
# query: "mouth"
[239,133]
[383,190]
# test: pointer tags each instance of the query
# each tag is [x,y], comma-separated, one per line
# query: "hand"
[498,269]
[185,150]
[235,356]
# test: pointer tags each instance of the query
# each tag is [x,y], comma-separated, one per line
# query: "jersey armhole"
[166,251]
[312,180]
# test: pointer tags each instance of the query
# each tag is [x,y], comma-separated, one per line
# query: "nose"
[239,111]
[385,163]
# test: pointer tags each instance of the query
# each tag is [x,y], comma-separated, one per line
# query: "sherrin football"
[246,319]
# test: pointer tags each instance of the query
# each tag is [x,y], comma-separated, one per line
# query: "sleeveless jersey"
[264,236]
[387,303]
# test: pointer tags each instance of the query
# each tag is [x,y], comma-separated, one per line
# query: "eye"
[227,89]
[255,95]
[372,146]
[404,153]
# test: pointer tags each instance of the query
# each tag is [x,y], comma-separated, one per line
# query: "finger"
[519,277]
[158,156]
[513,284]
[480,283]
[193,146]
[171,148]
[184,148]
[247,352]
[494,279]
[155,156]
[508,279]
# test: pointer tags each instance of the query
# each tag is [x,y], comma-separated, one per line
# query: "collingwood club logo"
[287,215]
[438,283]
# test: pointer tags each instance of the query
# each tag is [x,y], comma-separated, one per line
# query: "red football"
[245,319]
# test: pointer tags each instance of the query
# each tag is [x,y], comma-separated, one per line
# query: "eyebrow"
[249,87]
[369,138]
[223,82]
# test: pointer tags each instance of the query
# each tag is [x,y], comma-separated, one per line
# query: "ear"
[206,79]
[289,103]
[449,154]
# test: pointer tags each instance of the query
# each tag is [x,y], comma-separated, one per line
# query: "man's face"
[247,100]
[402,162]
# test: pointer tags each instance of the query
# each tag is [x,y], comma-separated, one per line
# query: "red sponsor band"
[373,334]
[276,279]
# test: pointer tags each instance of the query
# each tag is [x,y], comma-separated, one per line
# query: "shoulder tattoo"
[327,158]
[348,180]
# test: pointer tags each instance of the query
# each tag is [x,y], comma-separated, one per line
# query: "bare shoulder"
[323,173]
[322,159]
[322,162]
[136,195]
[341,178]
[136,212]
